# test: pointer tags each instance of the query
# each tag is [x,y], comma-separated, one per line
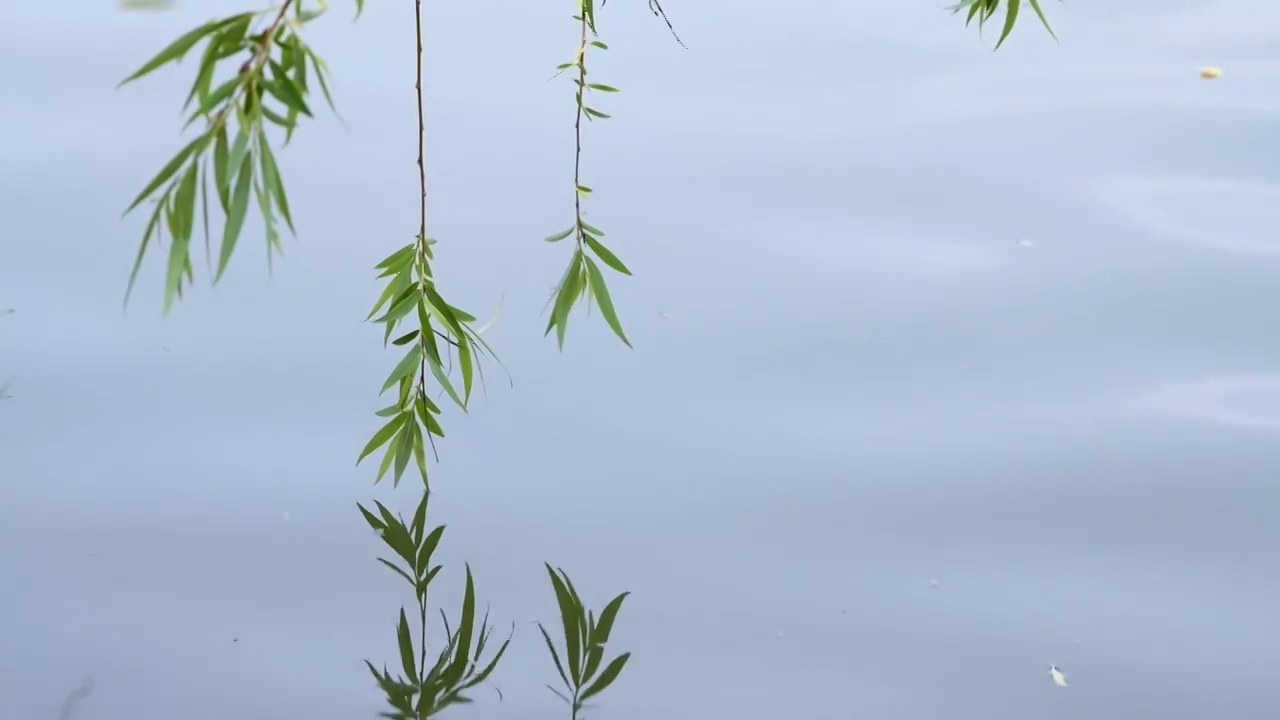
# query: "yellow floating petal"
[1059,679]
[1209,72]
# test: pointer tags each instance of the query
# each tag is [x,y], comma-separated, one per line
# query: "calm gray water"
[949,366]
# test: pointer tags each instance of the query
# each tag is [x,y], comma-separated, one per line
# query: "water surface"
[949,365]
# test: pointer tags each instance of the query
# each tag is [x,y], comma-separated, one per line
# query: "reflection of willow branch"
[80,693]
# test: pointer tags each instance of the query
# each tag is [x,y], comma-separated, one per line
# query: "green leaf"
[271,179]
[555,656]
[426,549]
[373,520]
[611,672]
[322,71]
[396,535]
[427,416]
[466,629]
[185,199]
[283,89]
[601,293]
[175,50]
[1035,5]
[602,88]
[560,235]
[447,386]
[604,254]
[404,452]
[236,156]
[397,570]
[570,290]
[570,610]
[170,169]
[398,259]
[420,518]
[600,634]
[220,184]
[384,434]
[596,113]
[235,214]
[407,365]
[406,338]
[405,641]
[488,669]
[178,258]
[465,363]
[1010,19]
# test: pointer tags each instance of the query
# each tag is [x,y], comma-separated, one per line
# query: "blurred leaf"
[235,214]
[169,170]
[559,236]
[175,50]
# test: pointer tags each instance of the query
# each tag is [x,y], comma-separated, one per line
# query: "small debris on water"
[1209,72]
[287,517]
[1058,677]
[933,583]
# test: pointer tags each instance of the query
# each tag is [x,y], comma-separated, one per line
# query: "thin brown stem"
[577,127]
[421,250]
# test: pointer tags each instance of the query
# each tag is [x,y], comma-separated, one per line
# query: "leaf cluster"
[422,690]
[583,279]
[266,82]
[581,667]
[440,334]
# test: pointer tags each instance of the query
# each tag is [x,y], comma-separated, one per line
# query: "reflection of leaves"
[426,688]
[80,693]
[585,637]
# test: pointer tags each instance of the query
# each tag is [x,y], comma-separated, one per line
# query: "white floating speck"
[287,517]
[1026,243]
[934,583]
[1058,677]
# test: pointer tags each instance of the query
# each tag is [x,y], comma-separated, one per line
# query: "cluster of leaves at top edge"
[266,83]
[984,10]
